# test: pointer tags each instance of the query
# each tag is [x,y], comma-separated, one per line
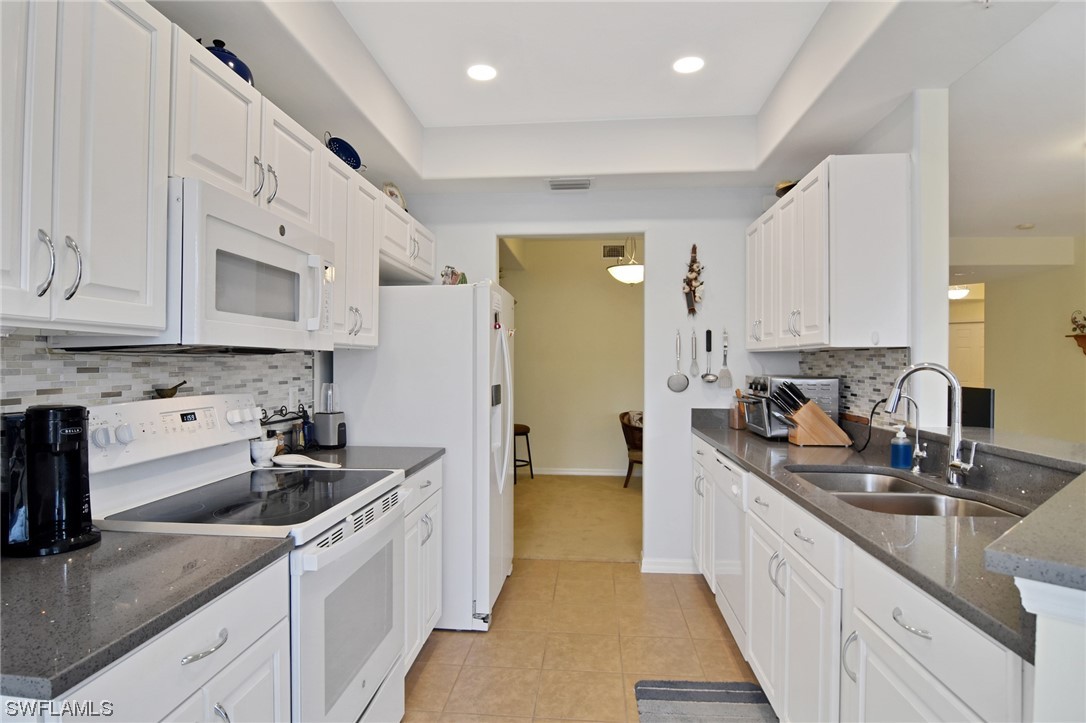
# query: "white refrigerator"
[442,376]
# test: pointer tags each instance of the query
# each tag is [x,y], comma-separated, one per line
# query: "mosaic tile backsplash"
[866,375]
[32,374]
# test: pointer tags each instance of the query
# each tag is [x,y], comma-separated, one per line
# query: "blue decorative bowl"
[343,149]
[219,51]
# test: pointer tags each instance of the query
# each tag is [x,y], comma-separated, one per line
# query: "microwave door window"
[256,289]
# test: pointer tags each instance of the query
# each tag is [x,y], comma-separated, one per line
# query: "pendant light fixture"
[628,272]
[957,292]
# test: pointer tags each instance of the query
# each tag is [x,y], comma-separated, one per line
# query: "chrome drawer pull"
[425,484]
[221,713]
[777,572]
[44,286]
[223,636]
[699,453]
[799,533]
[70,292]
[259,186]
[275,177]
[844,652]
[915,631]
[758,501]
[771,570]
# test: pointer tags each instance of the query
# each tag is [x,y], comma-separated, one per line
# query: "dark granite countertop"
[944,556]
[409,459]
[1049,545]
[65,617]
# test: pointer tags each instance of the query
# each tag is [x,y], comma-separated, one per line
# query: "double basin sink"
[880,492]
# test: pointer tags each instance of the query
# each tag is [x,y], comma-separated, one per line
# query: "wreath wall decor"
[692,282]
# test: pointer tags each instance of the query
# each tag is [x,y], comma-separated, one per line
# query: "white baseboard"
[674,566]
[585,472]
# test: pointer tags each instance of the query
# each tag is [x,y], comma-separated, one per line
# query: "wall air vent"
[580,183]
[613,251]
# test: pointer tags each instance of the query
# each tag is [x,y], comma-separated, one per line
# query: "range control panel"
[133,432]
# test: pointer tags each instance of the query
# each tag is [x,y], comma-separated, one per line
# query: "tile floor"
[568,641]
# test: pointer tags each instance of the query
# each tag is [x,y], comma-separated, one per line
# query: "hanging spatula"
[725,375]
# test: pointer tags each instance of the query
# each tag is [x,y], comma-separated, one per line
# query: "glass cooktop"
[263,497]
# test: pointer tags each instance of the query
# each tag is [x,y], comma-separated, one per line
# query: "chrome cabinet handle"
[771,568]
[798,313]
[758,501]
[223,637]
[799,533]
[44,286]
[361,321]
[897,614]
[776,573]
[221,713]
[426,484]
[259,186]
[275,176]
[70,292]
[429,527]
[844,652]
[355,325]
[699,453]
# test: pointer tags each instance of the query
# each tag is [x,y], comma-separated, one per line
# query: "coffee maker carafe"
[45,486]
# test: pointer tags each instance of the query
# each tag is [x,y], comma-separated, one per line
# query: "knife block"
[814,429]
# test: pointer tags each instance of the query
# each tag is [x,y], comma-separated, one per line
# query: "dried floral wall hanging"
[692,282]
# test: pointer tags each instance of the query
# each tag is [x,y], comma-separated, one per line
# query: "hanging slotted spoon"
[694,371]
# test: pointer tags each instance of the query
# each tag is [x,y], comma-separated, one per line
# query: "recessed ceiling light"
[691,64]
[482,72]
[1025,226]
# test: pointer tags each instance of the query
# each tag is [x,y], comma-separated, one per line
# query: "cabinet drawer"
[984,674]
[816,543]
[246,612]
[703,451]
[418,487]
[765,502]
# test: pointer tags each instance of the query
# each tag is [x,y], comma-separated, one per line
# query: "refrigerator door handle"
[507,381]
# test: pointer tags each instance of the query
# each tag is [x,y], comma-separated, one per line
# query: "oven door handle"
[311,558]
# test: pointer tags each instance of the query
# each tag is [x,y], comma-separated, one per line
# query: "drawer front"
[703,451]
[765,502]
[984,674]
[246,612]
[419,486]
[816,543]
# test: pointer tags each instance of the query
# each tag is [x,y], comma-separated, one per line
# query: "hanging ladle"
[708,377]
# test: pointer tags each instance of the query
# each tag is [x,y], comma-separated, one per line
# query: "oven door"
[249,278]
[346,614]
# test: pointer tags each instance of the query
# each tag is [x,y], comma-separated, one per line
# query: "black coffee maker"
[45,487]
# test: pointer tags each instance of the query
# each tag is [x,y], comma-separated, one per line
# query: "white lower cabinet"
[422,554]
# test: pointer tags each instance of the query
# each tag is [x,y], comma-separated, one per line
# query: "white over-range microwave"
[239,278]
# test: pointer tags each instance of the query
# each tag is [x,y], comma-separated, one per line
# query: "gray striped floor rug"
[681,701]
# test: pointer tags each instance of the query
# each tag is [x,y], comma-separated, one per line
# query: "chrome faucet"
[956,468]
[918,453]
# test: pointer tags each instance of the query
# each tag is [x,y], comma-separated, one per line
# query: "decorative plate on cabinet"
[394,193]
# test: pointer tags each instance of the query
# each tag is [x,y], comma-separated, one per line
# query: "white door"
[967,352]
[697,528]
[763,606]
[430,570]
[335,225]
[111,163]
[499,558]
[424,250]
[414,531]
[812,293]
[812,635]
[754,285]
[362,260]
[768,267]
[291,157]
[255,688]
[216,121]
[789,271]
[396,233]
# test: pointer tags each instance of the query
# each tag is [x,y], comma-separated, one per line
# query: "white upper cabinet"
[226,133]
[832,259]
[407,247]
[85,220]
[348,215]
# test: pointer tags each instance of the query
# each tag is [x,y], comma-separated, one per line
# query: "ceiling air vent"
[613,251]
[570,184]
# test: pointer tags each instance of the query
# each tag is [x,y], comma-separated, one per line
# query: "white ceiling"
[587,89]
[592,61]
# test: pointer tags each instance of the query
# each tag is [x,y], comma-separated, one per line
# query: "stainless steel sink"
[932,505]
[872,482]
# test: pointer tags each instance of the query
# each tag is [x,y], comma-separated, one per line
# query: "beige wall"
[966,310]
[1039,375]
[579,355]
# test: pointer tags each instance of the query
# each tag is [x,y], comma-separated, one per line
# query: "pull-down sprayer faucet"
[956,468]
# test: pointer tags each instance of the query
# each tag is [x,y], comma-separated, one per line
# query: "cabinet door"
[255,688]
[335,225]
[430,599]
[697,529]
[396,233]
[191,711]
[812,634]
[754,285]
[27,63]
[414,531]
[707,496]
[882,683]
[811,286]
[425,247]
[216,121]
[291,157]
[769,259]
[110,169]
[764,640]
[362,258]
[790,271]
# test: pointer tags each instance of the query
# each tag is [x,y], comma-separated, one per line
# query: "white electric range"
[182,465]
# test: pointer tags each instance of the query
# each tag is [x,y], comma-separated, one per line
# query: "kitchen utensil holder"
[815,429]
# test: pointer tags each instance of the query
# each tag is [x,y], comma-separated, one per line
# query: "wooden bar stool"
[521,430]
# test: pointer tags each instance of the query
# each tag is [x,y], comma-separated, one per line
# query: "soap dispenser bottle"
[901,450]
